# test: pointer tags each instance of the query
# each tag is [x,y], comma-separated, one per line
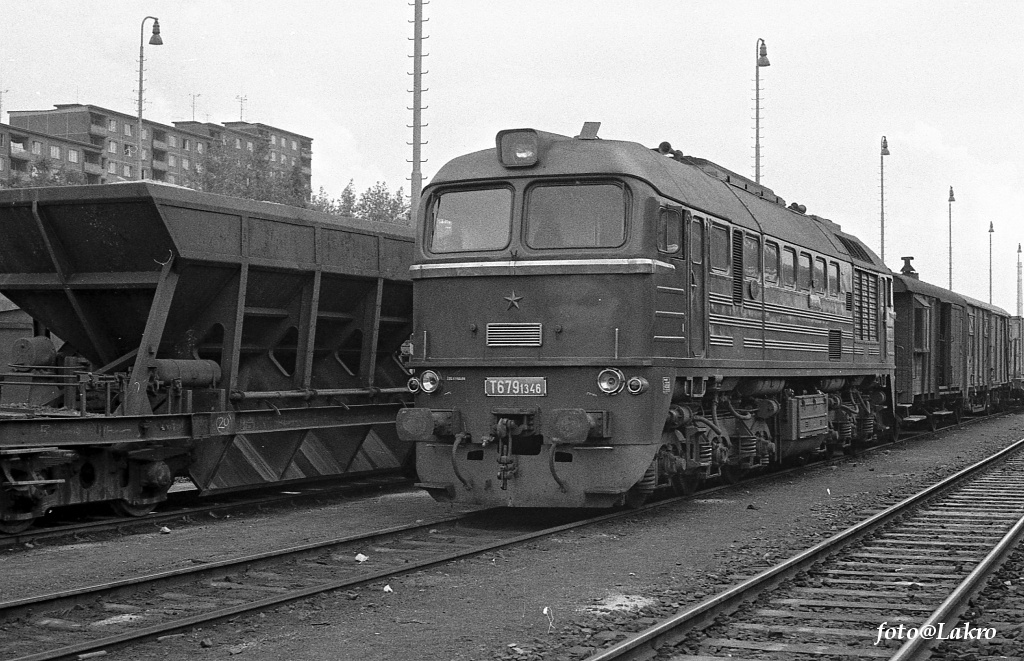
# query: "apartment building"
[103,143]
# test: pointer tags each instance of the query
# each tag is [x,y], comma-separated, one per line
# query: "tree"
[250,176]
[378,205]
[44,173]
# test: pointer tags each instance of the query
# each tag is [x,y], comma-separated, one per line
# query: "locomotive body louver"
[514,335]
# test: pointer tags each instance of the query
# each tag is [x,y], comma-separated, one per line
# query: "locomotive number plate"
[516,386]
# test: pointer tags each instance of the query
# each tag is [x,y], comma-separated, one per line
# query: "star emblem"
[513,300]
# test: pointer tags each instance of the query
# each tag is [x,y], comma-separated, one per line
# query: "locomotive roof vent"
[589,131]
[799,208]
[908,268]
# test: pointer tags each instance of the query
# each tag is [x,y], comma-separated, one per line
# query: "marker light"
[518,148]
[637,385]
[413,384]
[611,381]
[430,381]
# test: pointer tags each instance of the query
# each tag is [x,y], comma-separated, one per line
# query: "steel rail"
[949,611]
[675,628]
[100,645]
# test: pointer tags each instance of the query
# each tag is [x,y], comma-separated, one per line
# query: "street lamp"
[991,229]
[951,201]
[881,159]
[155,40]
[761,52]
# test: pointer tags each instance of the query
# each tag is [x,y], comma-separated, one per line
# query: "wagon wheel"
[124,508]
[958,413]
[15,527]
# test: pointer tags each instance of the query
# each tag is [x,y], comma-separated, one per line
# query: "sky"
[943,80]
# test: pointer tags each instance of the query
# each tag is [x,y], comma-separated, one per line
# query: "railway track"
[185,505]
[914,565]
[79,622]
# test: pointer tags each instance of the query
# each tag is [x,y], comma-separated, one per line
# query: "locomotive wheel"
[685,485]
[14,527]
[731,474]
[124,508]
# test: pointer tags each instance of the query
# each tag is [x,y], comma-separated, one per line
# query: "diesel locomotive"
[594,319]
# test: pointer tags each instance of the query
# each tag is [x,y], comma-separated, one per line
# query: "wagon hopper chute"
[240,343]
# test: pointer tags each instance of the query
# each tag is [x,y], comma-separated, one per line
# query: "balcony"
[159,144]
[159,165]
[93,168]
[18,151]
[96,129]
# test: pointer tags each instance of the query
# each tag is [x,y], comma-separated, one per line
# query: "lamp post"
[991,229]
[951,201]
[881,159]
[155,40]
[761,53]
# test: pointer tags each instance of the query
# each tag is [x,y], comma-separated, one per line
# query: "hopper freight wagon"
[237,343]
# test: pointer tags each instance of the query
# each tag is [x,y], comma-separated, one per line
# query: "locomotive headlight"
[637,385]
[611,381]
[518,148]
[430,381]
[413,384]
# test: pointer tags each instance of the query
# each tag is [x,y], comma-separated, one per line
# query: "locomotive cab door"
[697,278]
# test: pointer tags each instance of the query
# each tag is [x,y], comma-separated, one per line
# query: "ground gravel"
[562,597]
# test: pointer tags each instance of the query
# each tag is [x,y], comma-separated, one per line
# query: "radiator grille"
[514,335]
[835,345]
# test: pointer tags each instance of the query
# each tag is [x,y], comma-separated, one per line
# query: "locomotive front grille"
[514,335]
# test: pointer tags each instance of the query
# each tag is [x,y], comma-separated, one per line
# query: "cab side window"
[670,226]
[803,276]
[751,257]
[789,268]
[720,248]
[771,263]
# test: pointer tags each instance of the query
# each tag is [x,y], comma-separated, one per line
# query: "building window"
[72,156]
[145,154]
[172,141]
[295,145]
[128,129]
[172,160]
[54,151]
[238,143]
[186,144]
[200,147]
[127,170]
[293,160]
[37,147]
[273,140]
[248,145]
[273,156]
[185,164]
[111,124]
[2,166]
[112,147]
[171,179]
[111,167]
[145,133]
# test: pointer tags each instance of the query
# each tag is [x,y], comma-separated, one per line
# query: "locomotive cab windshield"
[557,215]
